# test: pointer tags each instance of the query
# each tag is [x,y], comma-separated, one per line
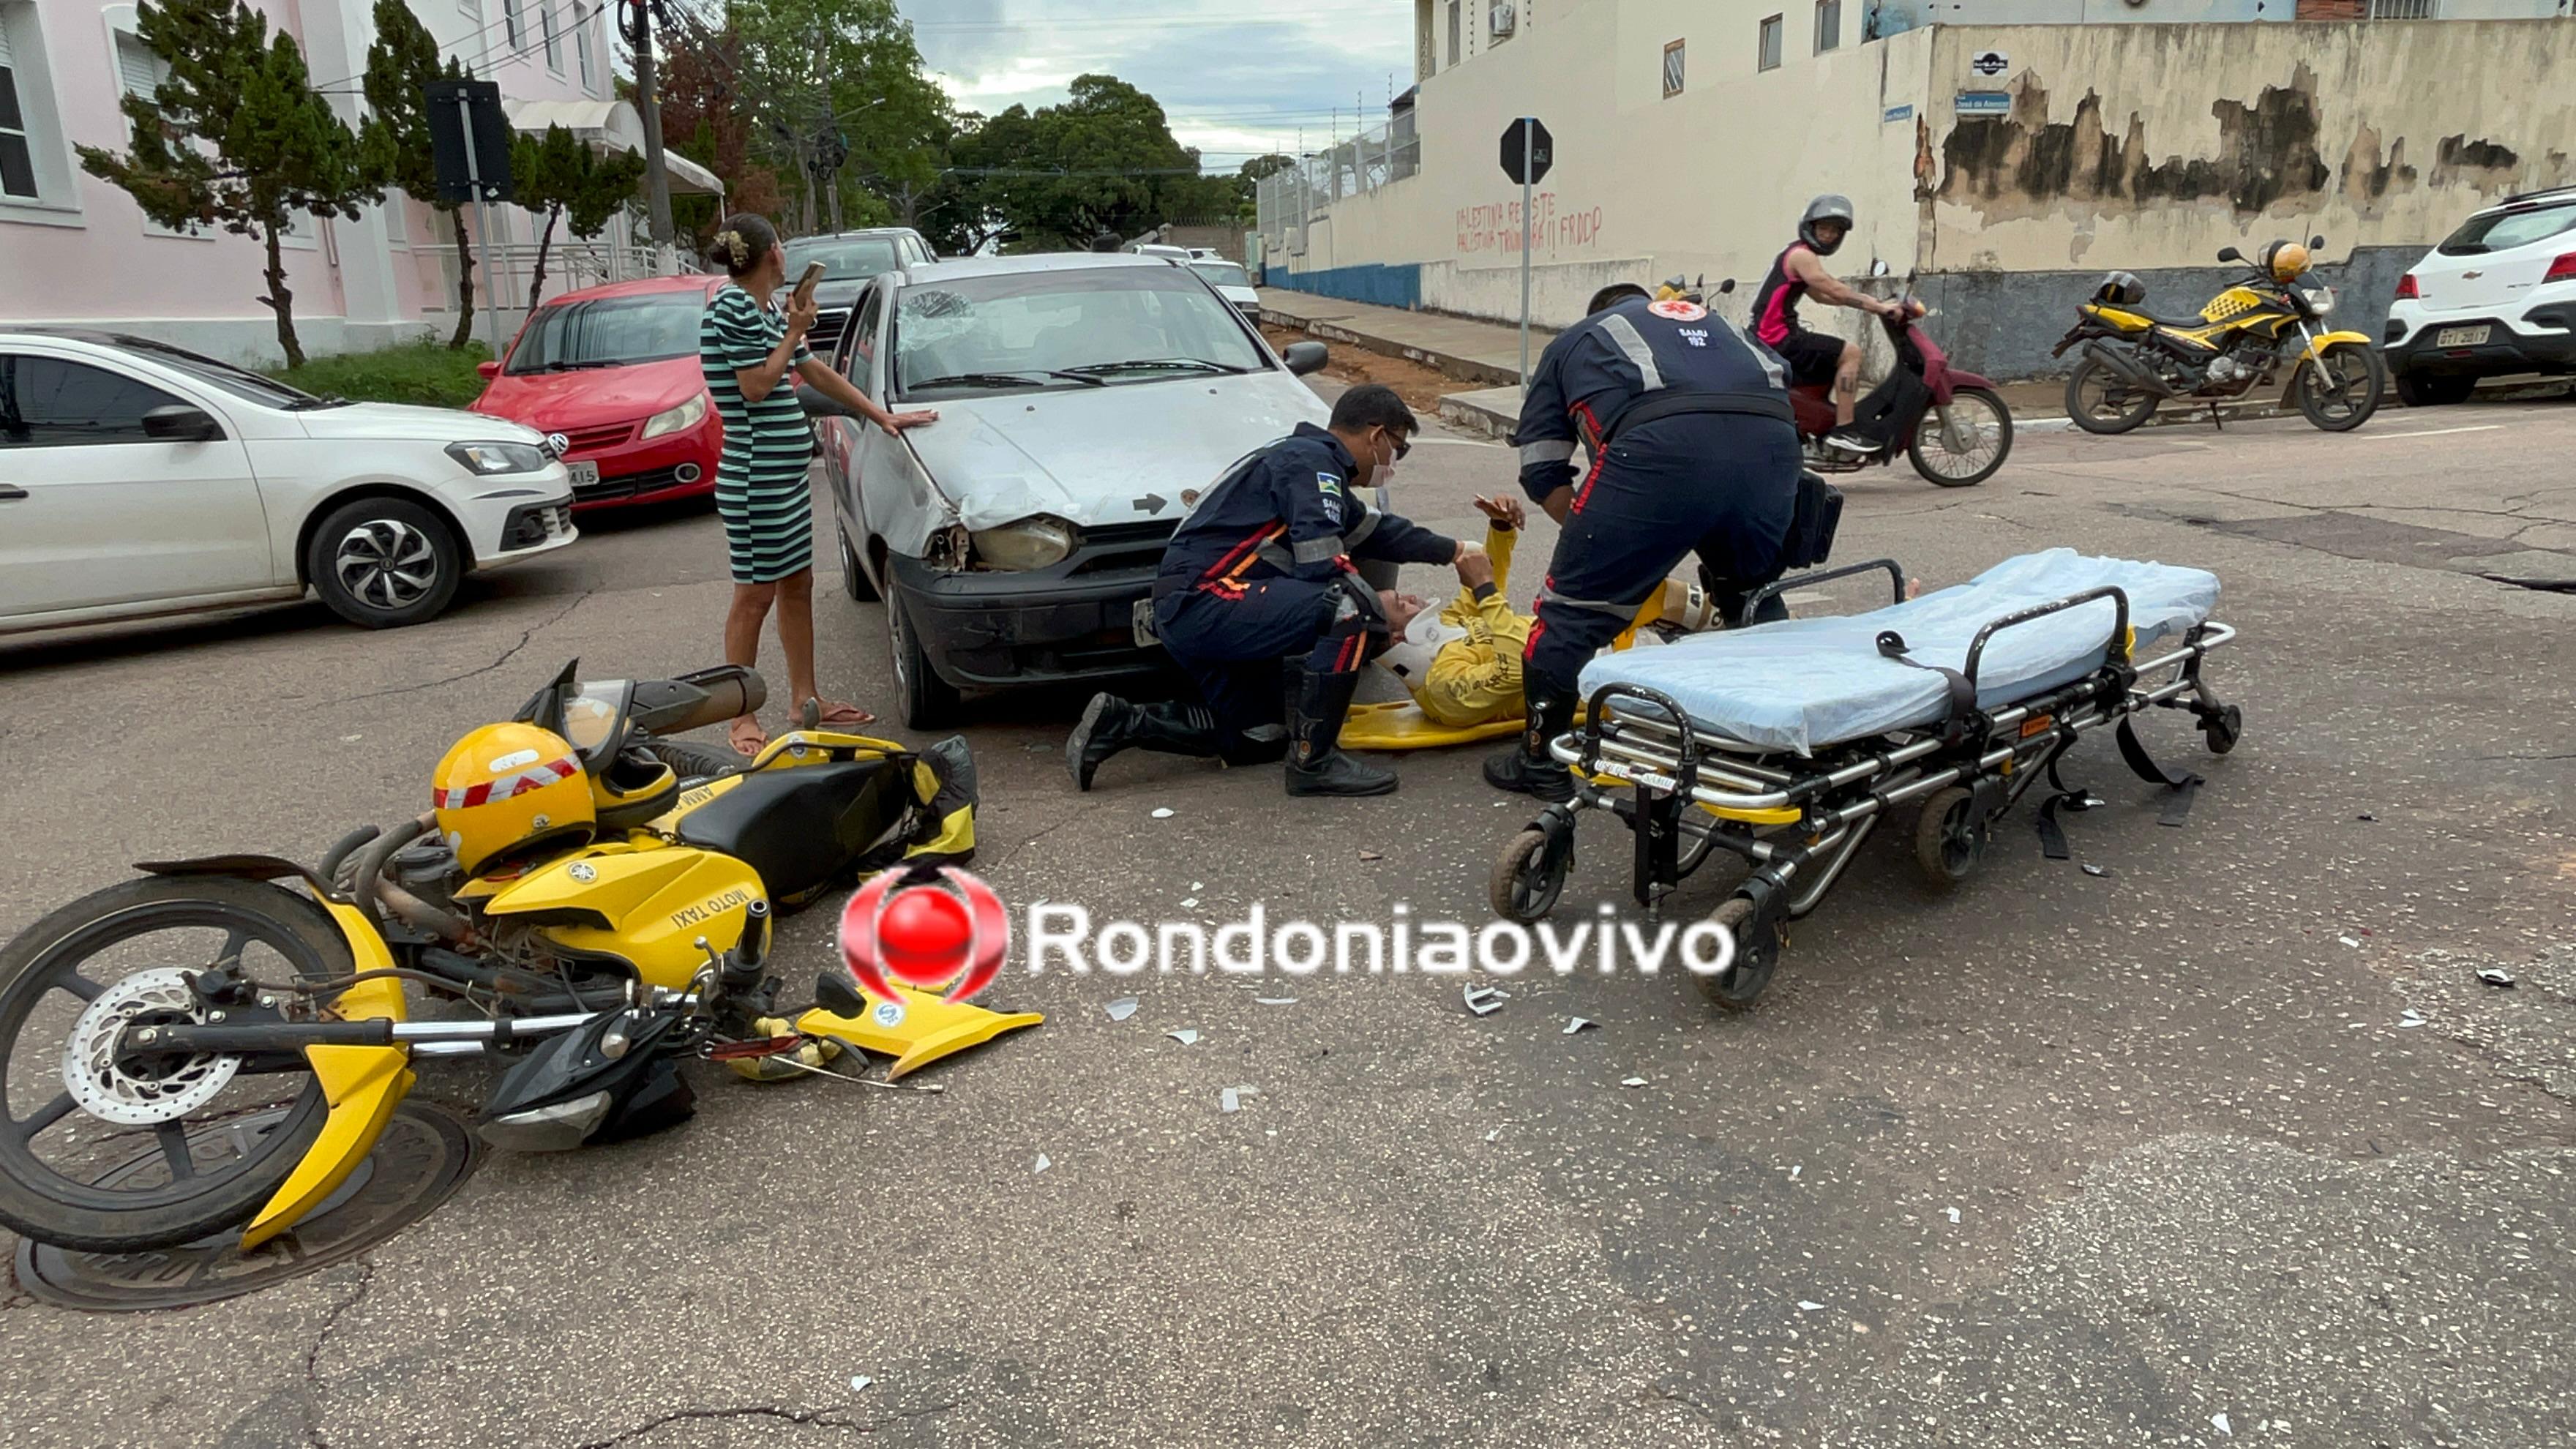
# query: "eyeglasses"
[1401,447]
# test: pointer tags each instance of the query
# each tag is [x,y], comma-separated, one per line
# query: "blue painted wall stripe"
[1398,285]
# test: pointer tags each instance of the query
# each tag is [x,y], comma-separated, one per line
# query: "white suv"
[2498,296]
[137,479]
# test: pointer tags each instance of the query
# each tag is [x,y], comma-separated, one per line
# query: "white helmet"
[1409,657]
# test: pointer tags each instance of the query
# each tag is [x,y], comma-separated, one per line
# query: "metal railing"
[1287,200]
[570,265]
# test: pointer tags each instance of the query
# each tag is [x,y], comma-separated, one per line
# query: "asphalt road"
[2055,1159]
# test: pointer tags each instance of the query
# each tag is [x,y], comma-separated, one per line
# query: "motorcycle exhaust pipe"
[2129,372]
[696,699]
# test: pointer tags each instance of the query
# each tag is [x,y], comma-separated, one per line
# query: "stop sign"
[1528,151]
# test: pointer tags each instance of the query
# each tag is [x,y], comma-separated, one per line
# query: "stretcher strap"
[2052,836]
[2180,787]
[1963,695]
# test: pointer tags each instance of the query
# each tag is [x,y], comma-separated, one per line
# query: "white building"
[76,249]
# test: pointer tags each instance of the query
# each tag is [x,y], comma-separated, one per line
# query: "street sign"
[1982,103]
[1990,62]
[483,173]
[1528,151]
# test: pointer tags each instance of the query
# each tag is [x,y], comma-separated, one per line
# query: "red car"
[614,369]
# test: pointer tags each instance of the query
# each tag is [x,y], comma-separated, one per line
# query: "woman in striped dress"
[746,349]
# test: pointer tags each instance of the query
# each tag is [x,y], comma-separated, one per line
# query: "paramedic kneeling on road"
[1692,450]
[1261,571]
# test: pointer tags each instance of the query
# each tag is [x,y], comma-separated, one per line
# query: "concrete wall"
[2143,147]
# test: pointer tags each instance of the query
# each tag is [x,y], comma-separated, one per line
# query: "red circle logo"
[927,928]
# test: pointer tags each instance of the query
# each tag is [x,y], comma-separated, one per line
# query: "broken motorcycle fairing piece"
[596,896]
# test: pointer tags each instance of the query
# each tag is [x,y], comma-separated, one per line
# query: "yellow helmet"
[508,788]
[2287,260]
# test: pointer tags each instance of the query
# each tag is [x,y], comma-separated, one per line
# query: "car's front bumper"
[2542,339]
[511,517]
[675,465]
[986,629]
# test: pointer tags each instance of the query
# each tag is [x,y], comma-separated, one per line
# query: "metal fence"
[1289,198]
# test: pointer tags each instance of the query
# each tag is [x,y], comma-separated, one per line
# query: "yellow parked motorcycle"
[2134,359]
[585,897]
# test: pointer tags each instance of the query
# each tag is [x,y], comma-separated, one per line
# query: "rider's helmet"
[2285,260]
[2121,289]
[1828,207]
[1612,295]
[507,791]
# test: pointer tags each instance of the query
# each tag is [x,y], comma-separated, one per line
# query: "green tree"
[234,137]
[1102,161]
[848,69]
[400,65]
[562,179]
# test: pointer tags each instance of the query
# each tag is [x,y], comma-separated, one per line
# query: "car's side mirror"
[2316,244]
[1305,357]
[180,423]
[816,405]
[2230,254]
[488,369]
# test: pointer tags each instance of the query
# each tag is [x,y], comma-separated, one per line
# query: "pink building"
[75,249]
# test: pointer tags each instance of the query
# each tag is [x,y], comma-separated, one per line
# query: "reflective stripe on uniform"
[1595,606]
[1359,535]
[1771,369]
[1313,550]
[1630,341]
[1552,451]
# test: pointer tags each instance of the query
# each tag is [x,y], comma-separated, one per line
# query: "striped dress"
[761,492]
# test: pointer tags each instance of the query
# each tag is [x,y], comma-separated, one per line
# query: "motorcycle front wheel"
[2098,401]
[2340,389]
[71,1109]
[1979,419]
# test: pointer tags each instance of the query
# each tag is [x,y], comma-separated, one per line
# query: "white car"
[1084,402]
[1231,283]
[2498,296]
[137,479]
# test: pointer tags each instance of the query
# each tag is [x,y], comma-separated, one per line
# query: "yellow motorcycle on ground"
[585,897]
[2134,359]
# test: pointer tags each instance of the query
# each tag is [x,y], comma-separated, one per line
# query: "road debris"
[2349,941]
[1121,1009]
[1185,1037]
[2367,818]
[1371,855]
[1575,1024]
[1794,1171]
[1497,1132]
[1633,1082]
[1484,1000]
[1806,1305]
[1188,902]
[2496,976]
[1274,1001]
[1229,1100]
[1044,1162]
[2219,1422]
[1162,812]
[1953,1212]
[2411,1017]
[859,1383]
[2091,869]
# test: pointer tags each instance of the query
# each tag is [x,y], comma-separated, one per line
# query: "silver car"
[1084,402]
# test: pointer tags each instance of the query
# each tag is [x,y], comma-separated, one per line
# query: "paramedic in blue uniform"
[1260,572]
[1687,426]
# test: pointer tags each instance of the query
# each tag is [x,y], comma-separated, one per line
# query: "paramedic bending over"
[1687,424]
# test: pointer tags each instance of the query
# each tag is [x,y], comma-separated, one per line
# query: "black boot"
[1111,724]
[1315,716]
[1530,770]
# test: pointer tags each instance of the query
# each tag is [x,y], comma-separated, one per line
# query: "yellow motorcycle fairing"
[643,900]
[916,1031]
[362,1085]
[2323,340]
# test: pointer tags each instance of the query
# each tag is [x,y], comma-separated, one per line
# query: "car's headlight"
[679,419]
[2321,300]
[1031,543]
[490,458]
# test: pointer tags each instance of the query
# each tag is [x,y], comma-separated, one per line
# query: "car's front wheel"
[381,563]
[929,702]
[2434,389]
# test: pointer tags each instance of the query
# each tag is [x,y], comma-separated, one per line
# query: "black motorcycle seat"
[801,828]
[2188,321]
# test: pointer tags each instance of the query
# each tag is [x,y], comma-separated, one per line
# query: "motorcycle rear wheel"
[1948,469]
[2332,396]
[2099,402]
[268,930]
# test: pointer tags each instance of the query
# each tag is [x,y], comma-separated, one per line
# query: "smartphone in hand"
[805,284]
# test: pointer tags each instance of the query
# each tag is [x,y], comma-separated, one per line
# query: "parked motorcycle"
[2134,359]
[594,900]
[1951,424]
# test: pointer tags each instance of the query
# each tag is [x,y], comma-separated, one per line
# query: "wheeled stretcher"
[1788,743]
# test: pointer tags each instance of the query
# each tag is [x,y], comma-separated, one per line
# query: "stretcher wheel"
[2222,728]
[1757,955]
[1530,873]
[1949,838]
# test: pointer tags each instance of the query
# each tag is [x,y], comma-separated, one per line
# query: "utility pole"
[657,178]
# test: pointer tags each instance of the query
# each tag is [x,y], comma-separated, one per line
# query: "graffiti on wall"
[1553,227]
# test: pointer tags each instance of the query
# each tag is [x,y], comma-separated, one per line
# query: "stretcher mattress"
[1801,684]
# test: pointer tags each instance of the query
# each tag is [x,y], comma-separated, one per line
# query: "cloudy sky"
[1237,77]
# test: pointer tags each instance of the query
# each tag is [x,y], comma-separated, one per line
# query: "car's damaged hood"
[1101,455]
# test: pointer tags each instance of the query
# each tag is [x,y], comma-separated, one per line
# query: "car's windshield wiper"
[1160,364]
[569,364]
[1000,379]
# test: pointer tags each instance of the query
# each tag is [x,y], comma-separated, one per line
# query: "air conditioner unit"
[1504,18]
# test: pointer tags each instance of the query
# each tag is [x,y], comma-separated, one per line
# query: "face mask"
[1383,473]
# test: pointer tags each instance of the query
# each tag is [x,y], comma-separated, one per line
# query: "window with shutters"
[138,71]
[554,42]
[1769,56]
[1455,26]
[581,50]
[17,155]
[1672,70]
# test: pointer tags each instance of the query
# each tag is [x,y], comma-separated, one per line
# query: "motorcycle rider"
[1816,357]
[1706,460]
[1260,571]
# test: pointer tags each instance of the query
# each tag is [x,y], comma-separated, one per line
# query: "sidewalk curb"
[1451,364]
